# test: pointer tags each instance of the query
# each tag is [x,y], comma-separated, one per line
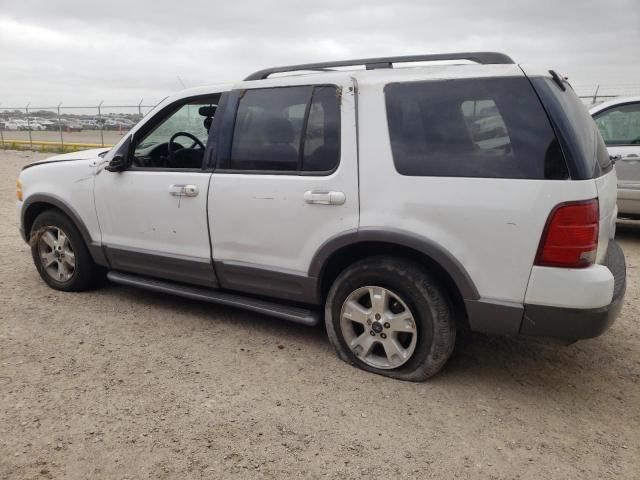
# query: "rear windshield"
[581,142]
[489,127]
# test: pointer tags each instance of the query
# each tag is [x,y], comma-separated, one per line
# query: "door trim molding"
[258,280]
[177,268]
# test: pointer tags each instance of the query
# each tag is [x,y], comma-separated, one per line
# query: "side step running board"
[293,314]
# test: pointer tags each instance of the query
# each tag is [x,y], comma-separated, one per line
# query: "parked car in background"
[619,123]
[118,124]
[22,124]
[90,124]
[67,125]
[10,125]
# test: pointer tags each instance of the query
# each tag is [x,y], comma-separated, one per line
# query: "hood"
[67,157]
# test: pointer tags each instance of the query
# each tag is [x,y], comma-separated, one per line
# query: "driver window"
[620,125]
[178,141]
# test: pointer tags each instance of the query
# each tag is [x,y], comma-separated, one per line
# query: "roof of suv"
[388,69]
[376,70]
[483,58]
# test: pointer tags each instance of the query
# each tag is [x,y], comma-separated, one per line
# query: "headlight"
[19,190]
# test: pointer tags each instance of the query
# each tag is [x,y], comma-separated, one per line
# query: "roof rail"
[387,62]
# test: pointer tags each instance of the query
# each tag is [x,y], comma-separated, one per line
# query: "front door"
[286,181]
[153,215]
[620,129]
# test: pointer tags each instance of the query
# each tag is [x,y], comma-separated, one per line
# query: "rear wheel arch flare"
[341,251]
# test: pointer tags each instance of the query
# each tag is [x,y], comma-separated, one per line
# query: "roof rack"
[387,62]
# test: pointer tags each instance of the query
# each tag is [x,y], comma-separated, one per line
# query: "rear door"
[285,182]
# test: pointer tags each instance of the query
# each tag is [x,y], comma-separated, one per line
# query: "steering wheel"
[171,150]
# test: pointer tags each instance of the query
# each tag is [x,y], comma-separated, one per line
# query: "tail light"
[570,238]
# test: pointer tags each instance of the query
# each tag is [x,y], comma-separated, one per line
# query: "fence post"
[60,128]
[595,94]
[140,107]
[26,109]
[101,122]
[2,132]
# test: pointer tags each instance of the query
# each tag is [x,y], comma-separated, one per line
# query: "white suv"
[398,204]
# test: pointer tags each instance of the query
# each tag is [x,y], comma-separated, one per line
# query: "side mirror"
[117,164]
[120,160]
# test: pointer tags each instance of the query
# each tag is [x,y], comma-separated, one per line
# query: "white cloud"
[82,52]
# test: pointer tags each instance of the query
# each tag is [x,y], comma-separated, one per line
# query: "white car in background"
[619,124]
[10,125]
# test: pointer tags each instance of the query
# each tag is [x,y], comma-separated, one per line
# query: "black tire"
[431,308]
[85,273]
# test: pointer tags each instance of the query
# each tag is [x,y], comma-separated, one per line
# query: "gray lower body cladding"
[568,324]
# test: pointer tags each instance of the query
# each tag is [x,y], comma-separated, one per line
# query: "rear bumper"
[578,304]
[577,323]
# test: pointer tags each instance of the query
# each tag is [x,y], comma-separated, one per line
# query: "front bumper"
[19,205]
[576,323]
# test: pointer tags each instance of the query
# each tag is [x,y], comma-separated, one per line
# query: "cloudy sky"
[81,52]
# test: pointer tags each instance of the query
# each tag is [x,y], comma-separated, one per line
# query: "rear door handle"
[183,190]
[322,197]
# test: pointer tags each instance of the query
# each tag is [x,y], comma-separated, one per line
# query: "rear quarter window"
[582,144]
[490,127]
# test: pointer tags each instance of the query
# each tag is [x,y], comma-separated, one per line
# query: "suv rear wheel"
[388,316]
[59,253]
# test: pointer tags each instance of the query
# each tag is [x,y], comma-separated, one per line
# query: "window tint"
[492,128]
[322,138]
[620,125]
[154,150]
[286,129]
[582,145]
[268,129]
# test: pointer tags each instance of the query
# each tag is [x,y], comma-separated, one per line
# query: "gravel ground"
[122,383]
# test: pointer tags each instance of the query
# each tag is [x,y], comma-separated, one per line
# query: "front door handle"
[325,197]
[183,190]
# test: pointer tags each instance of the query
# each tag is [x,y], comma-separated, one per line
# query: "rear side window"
[322,134]
[581,142]
[268,129]
[493,128]
[286,129]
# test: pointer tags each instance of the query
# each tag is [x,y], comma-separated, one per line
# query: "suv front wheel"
[388,316]
[60,254]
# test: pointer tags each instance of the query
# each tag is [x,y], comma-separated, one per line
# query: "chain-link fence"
[591,94]
[65,128]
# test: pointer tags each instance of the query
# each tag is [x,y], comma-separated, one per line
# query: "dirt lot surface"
[122,383]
